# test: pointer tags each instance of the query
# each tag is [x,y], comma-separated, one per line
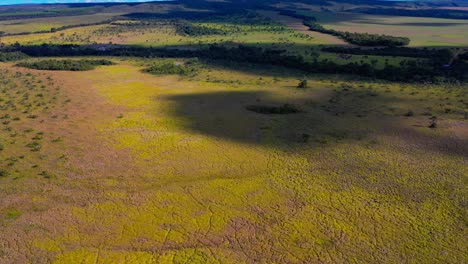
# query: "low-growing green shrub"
[433,122]
[46,175]
[34,146]
[4,173]
[13,214]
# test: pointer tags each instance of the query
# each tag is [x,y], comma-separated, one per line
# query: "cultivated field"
[32,25]
[423,32]
[297,25]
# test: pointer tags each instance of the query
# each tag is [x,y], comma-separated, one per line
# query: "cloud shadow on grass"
[225,115]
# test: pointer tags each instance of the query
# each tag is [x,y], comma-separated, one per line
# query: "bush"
[433,123]
[4,173]
[302,84]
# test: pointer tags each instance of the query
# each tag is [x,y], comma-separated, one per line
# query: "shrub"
[302,84]
[34,146]
[433,123]
[13,214]
[47,175]
[4,173]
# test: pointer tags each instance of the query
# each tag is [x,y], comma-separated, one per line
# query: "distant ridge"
[26,2]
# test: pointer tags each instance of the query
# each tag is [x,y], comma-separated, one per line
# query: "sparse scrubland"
[227,137]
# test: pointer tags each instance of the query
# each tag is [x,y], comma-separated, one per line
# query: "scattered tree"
[302,84]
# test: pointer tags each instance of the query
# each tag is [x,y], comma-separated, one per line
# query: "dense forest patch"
[65,65]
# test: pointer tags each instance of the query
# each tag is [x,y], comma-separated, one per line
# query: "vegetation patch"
[13,214]
[4,173]
[12,56]
[65,65]
[274,110]
[188,29]
[172,67]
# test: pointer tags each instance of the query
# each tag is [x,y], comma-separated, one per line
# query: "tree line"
[413,71]
[361,39]
[432,12]
[440,54]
